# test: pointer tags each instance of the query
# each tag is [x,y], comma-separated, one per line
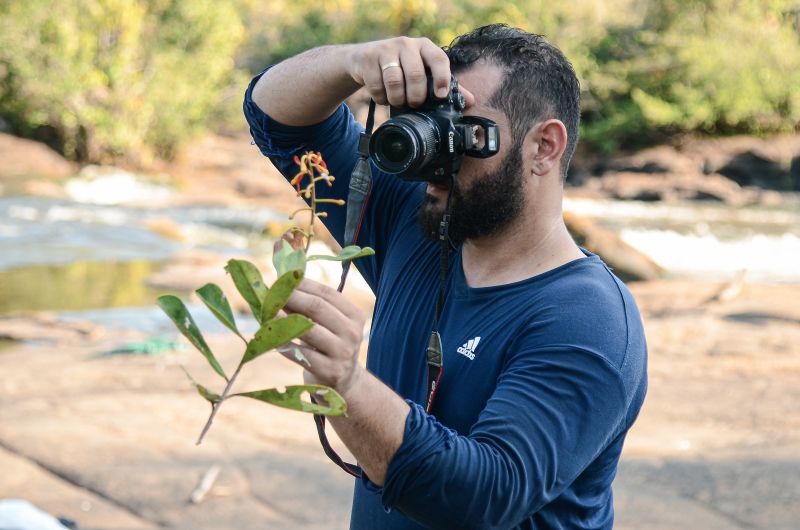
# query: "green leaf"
[274,333]
[292,399]
[279,293]
[349,252]
[211,295]
[287,259]
[211,397]
[249,283]
[178,313]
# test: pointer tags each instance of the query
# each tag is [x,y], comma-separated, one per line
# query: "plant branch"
[313,213]
[215,407]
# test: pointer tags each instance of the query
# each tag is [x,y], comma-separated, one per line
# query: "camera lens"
[404,143]
[395,147]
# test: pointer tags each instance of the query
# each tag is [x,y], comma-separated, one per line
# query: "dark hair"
[539,82]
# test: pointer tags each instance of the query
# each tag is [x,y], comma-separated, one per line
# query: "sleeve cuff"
[423,437]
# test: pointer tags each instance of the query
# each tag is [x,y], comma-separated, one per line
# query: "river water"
[707,240]
[76,255]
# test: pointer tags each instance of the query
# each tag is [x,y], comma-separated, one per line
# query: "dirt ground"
[108,441]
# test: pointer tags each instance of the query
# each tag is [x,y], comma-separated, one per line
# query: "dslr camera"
[429,142]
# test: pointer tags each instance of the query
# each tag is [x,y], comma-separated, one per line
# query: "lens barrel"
[404,143]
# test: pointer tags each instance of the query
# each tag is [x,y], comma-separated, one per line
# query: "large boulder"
[655,160]
[673,187]
[763,163]
[628,263]
[25,158]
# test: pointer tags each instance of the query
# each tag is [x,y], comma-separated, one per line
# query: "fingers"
[373,79]
[436,59]
[304,356]
[318,367]
[338,324]
[415,81]
[393,70]
[469,98]
[393,80]
[332,296]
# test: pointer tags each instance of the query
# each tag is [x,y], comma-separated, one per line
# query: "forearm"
[374,426]
[307,88]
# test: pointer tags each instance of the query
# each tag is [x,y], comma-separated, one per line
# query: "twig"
[206,483]
[218,404]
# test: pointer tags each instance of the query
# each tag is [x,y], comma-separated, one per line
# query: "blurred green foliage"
[106,80]
[649,69]
[694,66]
[134,79]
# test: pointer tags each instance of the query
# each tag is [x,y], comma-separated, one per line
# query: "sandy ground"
[108,441]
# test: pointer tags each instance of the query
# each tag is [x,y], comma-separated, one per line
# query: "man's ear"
[543,146]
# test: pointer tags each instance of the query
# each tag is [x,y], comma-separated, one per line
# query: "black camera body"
[429,142]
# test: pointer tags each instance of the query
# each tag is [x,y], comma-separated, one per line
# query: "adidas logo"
[468,349]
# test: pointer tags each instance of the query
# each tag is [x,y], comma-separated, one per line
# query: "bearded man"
[544,352]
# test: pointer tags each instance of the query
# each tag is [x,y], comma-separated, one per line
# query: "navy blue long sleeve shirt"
[542,378]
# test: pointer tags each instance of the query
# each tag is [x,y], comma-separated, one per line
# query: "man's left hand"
[332,345]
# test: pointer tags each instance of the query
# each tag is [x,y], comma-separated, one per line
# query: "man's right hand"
[393,70]
[308,88]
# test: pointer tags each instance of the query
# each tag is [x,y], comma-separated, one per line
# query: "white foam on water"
[766,258]
[118,187]
[78,214]
[706,239]
[688,213]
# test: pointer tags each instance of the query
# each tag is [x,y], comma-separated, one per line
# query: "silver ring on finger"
[389,65]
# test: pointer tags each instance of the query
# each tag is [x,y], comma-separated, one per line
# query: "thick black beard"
[490,204]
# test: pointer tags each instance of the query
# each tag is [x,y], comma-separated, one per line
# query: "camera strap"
[357,198]
[434,356]
[358,195]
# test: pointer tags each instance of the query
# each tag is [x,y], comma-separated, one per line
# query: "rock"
[628,263]
[674,187]
[770,198]
[26,158]
[661,159]
[45,327]
[190,270]
[166,227]
[768,163]
[750,168]
[44,188]
[794,172]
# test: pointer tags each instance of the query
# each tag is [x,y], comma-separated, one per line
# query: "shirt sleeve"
[336,138]
[550,416]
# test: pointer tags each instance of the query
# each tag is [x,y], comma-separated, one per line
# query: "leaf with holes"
[183,320]
[212,295]
[292,398]
[274,333]
[349,252]
[249,283]
[288,259]
[279,293]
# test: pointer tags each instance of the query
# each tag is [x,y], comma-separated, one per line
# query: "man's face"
[487,193]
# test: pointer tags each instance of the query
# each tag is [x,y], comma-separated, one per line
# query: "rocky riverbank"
[106,439]
[736,171]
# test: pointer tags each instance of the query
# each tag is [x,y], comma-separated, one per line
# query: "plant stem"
[218,404]
[313,212]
